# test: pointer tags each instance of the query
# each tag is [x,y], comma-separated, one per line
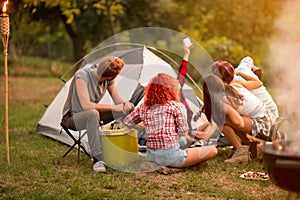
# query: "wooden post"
[4,28]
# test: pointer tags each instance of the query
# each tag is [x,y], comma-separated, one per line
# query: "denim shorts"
[173,157]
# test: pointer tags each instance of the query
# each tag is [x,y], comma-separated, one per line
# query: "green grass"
[38,171]
[35,66]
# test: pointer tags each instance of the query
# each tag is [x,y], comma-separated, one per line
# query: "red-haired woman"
[161,116]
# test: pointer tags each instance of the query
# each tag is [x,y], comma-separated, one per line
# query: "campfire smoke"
[283,59]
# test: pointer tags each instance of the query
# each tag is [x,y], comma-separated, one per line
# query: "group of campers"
[235,102]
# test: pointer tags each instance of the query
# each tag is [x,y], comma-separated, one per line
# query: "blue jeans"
[173,157]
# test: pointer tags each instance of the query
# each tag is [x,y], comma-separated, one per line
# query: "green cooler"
[120,146]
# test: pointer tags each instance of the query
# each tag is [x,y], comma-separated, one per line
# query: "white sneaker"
[99,167]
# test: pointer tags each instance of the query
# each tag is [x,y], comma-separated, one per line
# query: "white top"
[251,107]
[262,93]
[267,99]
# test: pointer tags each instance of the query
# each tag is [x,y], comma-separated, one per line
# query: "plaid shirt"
[163,124]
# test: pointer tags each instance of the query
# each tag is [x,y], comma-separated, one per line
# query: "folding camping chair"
[76,142]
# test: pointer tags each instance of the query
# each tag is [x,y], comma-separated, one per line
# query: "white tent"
[141,64]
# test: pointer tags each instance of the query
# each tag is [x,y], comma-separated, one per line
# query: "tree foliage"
[226,28]
[247,23]
[82,19]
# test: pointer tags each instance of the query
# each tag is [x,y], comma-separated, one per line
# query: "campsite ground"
[38,171]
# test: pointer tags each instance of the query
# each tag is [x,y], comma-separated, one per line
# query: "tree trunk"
[108,4]
[77,42]
[78,51]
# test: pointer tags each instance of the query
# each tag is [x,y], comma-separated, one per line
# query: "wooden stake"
[5,54]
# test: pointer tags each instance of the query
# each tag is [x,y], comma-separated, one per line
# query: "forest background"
[68,30]
[47,34]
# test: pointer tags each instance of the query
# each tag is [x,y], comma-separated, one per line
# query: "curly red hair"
[161,88]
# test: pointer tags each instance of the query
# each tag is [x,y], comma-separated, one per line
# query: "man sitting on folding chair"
[81,109]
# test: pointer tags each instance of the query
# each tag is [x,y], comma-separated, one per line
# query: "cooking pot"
[282,161]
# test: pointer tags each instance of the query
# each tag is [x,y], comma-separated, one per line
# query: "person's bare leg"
[243,133]
[246,133]
[242,136]
[199,154]
[231,136]
[210,131]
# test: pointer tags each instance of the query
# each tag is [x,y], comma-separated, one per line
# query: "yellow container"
[120,146]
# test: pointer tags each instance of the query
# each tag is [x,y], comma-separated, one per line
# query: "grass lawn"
[38,171]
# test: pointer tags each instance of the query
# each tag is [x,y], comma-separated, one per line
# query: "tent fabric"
[141,65]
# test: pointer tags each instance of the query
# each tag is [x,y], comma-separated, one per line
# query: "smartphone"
[187,41]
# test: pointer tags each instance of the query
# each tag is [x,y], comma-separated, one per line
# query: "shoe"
[142,148]
[197,144]
[241,155]
[99,167]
